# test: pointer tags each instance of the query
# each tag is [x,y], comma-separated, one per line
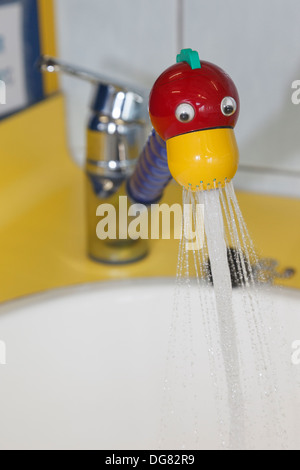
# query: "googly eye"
[228,106]
[185,112]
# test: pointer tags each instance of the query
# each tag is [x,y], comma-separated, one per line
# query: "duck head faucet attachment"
[194,106]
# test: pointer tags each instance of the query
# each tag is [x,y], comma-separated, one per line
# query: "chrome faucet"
[116,134]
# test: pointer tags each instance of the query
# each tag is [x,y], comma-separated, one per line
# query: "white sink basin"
[85,366]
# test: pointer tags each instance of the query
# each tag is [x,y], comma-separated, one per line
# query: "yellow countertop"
[42,225]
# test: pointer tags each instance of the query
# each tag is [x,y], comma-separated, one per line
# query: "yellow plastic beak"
[203,160]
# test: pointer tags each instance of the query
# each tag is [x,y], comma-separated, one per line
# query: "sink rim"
[12,306]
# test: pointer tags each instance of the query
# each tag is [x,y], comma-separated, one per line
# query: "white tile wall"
[256,42]
[125,39]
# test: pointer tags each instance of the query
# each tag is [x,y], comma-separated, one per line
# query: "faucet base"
[120,260]
[115,250]
[129,252]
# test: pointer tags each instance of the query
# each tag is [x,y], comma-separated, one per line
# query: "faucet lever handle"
[53,65]
[112,99]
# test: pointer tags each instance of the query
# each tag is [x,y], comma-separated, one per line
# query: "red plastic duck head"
[194,107]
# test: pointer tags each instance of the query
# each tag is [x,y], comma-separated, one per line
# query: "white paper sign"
[12,67]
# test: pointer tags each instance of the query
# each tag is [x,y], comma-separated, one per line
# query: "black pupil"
[184,117]
[228,109]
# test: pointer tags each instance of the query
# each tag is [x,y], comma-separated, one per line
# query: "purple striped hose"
[152,173]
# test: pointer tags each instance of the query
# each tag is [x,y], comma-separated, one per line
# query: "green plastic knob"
[191,57]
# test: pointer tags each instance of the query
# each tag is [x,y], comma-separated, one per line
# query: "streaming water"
[238,393]
[217,250]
